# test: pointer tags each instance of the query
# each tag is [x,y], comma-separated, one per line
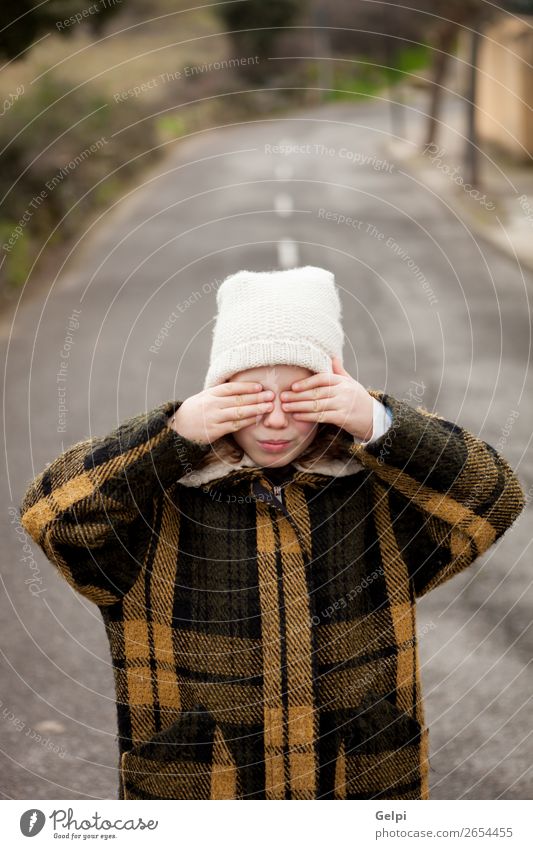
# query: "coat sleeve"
[90,510]
[442,495]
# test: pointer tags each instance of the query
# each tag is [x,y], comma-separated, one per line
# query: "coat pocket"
[382,754]
[188,760]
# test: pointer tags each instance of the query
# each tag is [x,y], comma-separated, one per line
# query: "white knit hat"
[273,317]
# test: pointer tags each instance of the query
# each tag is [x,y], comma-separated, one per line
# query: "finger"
[238,424]
[306,394]
[311,405]
[321,416]
[245,411]
[322,378]
[237,387]
[242,400]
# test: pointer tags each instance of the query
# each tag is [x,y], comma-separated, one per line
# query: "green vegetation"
[89,106]
[65,153]
[362,78]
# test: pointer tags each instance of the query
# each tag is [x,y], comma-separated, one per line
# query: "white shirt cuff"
[381,422]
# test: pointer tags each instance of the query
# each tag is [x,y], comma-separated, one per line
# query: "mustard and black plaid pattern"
[267,650]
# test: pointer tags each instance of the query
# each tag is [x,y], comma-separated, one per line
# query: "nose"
[276,417]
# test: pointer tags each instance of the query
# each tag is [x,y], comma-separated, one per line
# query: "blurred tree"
[518,7]
[373,33]
[442,35]
[473,16]
[357,27]
[23,21]
[255,25]
[380,30]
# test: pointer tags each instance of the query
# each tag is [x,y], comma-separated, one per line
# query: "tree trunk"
[444,45]
[471,161]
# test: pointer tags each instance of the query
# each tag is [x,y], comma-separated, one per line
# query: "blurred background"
[150,148]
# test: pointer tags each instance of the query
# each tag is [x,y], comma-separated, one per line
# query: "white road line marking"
[287,253]
[283,171]
[283,204]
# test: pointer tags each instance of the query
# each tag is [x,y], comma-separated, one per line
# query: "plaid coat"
[267,650]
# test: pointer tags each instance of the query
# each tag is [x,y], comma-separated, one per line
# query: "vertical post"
[322,47]
[396,102]
[471,152]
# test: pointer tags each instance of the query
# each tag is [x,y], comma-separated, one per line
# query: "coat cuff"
[418,442]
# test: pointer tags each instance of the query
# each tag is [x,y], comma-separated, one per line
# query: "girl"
[256,552]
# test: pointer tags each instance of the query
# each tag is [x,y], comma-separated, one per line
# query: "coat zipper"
[280,505]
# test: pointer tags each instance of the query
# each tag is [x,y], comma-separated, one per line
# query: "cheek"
[240,437]
[304,428]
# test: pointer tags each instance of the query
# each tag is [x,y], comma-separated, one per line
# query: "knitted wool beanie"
[274,317]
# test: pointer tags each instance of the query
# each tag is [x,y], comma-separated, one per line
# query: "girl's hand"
[334,398]
[221,409]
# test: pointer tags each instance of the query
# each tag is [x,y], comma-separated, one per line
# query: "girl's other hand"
[220,410]
[335,398]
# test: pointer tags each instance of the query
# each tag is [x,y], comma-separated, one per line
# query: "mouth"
[274,444]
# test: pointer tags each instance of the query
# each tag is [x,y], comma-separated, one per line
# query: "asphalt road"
[422,300]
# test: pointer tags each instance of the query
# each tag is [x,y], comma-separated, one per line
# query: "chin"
[278,461]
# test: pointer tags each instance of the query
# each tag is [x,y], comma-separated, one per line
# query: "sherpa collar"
[246,468]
